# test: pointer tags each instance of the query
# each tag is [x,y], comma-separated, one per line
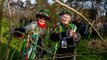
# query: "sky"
[51,1]
[34,1]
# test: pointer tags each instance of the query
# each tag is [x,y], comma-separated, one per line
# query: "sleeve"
[54,35]
[31,27]
[75,28]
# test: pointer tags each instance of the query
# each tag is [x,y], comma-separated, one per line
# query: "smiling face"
[65,19]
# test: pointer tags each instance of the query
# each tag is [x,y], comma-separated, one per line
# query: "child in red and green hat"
[38,28]
[35,32]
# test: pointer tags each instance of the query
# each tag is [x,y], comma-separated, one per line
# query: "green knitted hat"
[43,13]
[64,11]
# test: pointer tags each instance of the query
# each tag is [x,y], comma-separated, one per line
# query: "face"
[65,19]
[42,20]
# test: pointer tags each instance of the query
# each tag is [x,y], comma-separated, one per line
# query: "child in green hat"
[65,33]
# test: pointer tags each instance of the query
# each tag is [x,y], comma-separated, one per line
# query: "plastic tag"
[64,44]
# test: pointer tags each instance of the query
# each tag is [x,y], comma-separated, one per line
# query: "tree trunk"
[1,8]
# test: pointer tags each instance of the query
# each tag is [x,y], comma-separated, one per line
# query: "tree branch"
[1,9]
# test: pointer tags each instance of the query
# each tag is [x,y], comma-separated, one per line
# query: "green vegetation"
[16,46]
[84,48]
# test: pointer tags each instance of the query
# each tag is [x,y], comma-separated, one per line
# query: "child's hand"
[74,36]
[71,33]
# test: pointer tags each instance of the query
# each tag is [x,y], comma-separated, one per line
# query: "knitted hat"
[64,12]
[43,13]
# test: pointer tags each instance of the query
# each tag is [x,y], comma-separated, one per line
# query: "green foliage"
[49,45]
[16,55]
[16,45]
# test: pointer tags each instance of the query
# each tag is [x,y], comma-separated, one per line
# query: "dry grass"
[97,45]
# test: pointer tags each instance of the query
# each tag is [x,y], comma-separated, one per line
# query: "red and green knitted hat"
[43,13]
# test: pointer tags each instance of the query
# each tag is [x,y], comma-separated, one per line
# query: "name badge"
[64,44]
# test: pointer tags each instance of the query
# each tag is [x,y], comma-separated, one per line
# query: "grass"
[84,48]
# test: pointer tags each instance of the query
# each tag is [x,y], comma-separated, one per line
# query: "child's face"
[65,19]
[42,20]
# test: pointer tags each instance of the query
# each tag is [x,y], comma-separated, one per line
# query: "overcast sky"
[51,1]
[34,1]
